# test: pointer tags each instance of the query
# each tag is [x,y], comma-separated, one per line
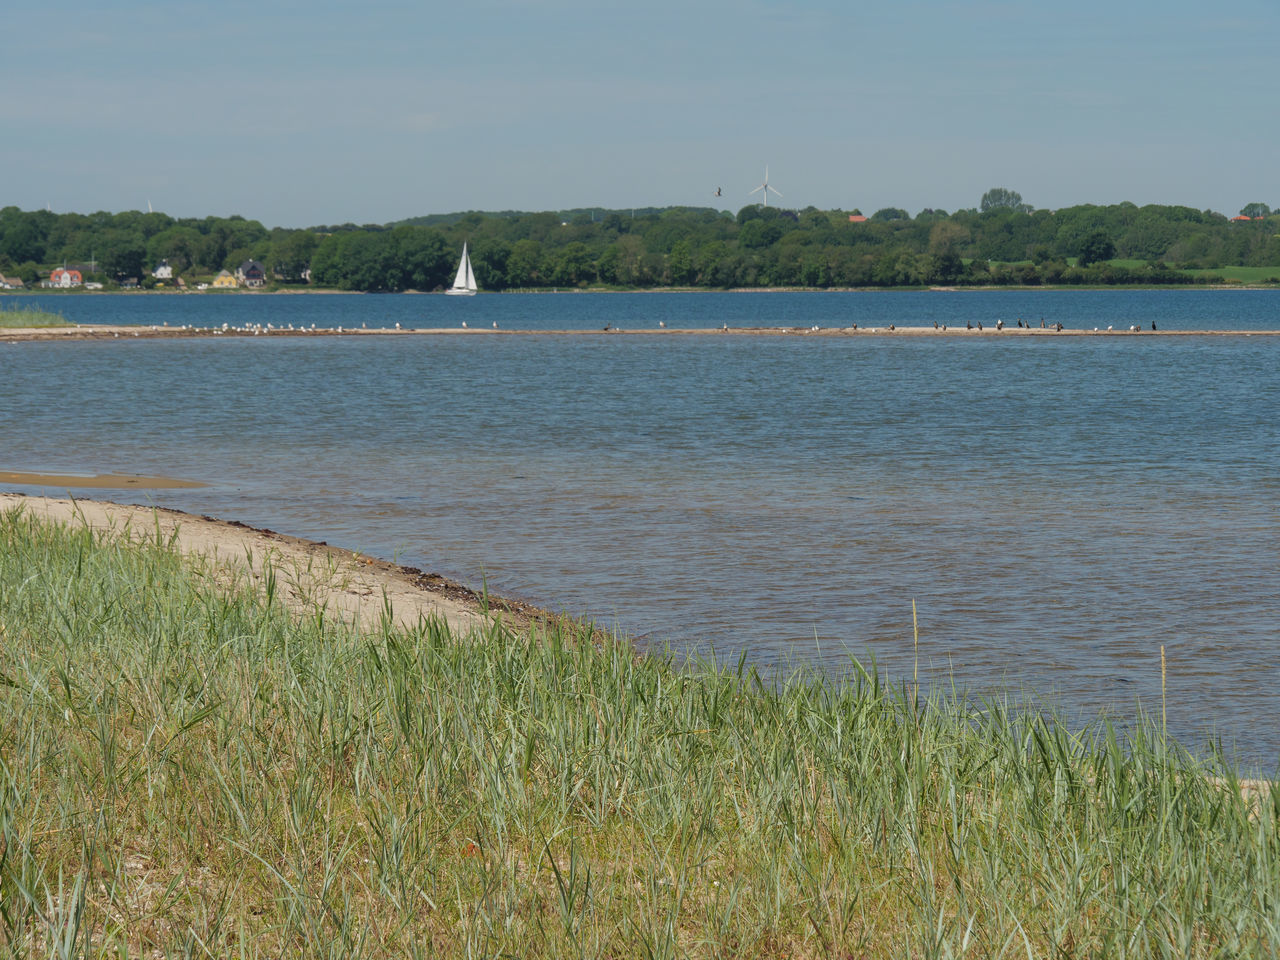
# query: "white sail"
[464,284]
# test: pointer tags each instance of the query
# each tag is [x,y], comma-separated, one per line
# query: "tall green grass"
[25,315]
[187,771]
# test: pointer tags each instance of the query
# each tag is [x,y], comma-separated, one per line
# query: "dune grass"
[186,771]
[25,315]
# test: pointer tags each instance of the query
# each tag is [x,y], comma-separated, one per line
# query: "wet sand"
[102,481]
[102,332]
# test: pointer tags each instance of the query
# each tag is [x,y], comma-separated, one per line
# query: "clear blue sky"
[299,114]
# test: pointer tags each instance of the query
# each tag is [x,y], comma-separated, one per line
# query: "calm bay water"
[1058,508]
[1078,309]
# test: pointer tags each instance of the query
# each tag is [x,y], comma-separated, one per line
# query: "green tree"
[489,261]
[942,268]
[180,245]
[21,237]
[291,254]
[898,268]
[999,198]
[573,265]
[607,264]
[614,224]
[890,213]
[947,237]
[814,270]
[1095,248]
[630,268]
[125,253]
[1255,211]
[370,263]
[680,263]
[757,234]
[422,260]
[850,268]
[524,266]
[29,272]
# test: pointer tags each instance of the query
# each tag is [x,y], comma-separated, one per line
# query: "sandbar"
[101,481]
[130,333]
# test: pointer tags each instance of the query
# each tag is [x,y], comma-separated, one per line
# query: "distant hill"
[576,215]
[1006,243]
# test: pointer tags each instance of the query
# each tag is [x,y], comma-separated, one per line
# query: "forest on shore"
[1002,242]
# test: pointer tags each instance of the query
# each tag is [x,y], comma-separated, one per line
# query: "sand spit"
[101,481]
[97,332]
[309,575]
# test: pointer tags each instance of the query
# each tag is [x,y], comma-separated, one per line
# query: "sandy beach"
[356,588]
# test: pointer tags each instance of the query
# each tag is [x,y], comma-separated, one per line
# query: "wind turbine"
[765,188]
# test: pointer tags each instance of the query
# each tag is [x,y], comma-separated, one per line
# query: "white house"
[64,278]
[163,271]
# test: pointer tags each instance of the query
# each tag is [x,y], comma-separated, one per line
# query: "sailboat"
[464,284]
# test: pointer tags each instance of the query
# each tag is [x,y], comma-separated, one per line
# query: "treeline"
[1003,242]
[112,246]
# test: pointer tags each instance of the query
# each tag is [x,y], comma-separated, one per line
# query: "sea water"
[1077,309]
[1057,508]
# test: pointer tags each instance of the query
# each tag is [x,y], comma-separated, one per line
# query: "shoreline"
[958,288]
[129,332]
[313,574]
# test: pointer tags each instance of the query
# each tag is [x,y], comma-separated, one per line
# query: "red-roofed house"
[857,218]
[65,278]
[1241,217]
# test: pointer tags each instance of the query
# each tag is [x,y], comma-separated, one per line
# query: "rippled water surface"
[1058,508]
[1078,309]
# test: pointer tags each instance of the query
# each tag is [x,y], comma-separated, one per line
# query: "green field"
[1229,274]
[187,771]
[1241,274]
